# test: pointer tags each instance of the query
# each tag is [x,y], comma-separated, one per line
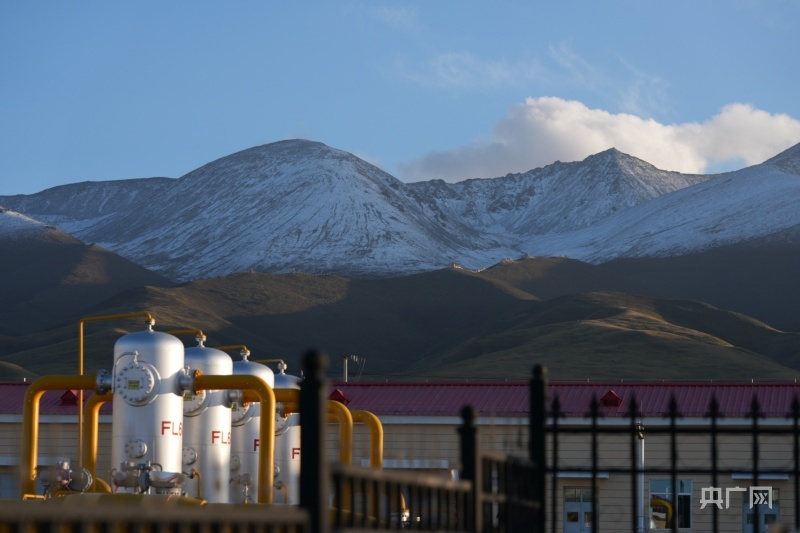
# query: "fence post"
[471,468]
[538,451]
[313,460]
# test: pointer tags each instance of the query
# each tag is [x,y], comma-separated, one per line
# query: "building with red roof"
[420,422]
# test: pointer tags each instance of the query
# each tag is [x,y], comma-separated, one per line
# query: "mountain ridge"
[300,205]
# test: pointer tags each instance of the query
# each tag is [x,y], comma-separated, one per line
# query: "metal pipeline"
[197,332]
[376,436]
[196,474]
[91,438]
[290,398]
[338,412]
[243,350]
[30,421]
[266,449]
[345,419]
[81,322]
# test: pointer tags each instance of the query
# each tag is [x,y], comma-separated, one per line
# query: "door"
[767,517]
[578,516]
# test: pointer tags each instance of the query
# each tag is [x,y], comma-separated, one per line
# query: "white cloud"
[543,130]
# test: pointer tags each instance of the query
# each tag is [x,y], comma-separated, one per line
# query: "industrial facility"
[190,424]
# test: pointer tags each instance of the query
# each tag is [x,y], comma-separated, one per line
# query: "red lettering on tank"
[221,436]
[169,426]
[256,443]
[295,452]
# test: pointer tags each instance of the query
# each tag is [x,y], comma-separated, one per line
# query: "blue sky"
[451,90]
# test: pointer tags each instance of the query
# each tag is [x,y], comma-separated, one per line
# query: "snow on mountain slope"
[79,205]
[15,225]
[556,198]
[283,206]
[300,205]
[788,160]
[748,204]
[295,205]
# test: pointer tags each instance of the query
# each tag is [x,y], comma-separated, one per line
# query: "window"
[668,505]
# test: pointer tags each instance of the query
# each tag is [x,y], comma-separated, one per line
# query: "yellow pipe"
[345,419]
[240,347]
[81,322]
[288,398]
[102,486]
[197,332]
[288,407]
[281,396]
[375,449]
[30,422]
[338,412]
[196,474]
[376,436]
[266,449]
[91,438]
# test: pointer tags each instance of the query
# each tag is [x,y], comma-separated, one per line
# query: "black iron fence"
[714,464]
[504,493]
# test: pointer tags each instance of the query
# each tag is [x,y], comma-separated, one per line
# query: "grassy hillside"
[612,336]
[51,276]
[448,324]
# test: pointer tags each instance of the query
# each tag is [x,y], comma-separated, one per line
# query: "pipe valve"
[186,381]
[104,382]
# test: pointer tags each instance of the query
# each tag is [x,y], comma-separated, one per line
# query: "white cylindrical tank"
[147,425]
[207,428]
[245,441]
[287,444]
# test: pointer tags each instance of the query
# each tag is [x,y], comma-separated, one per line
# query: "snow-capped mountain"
[743,206]
[302,205]
[288,205]
[556,198]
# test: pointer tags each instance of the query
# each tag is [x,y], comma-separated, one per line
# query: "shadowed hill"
[758,278]
[49,276]
[610,336]
[450,323]
[390,322]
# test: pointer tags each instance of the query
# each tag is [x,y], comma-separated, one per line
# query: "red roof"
[437,399]
[12,397]
[511,399]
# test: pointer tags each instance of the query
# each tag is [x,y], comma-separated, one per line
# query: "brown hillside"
[51,276]
[758,278]
[610,336]
[445,324]
[392,323]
